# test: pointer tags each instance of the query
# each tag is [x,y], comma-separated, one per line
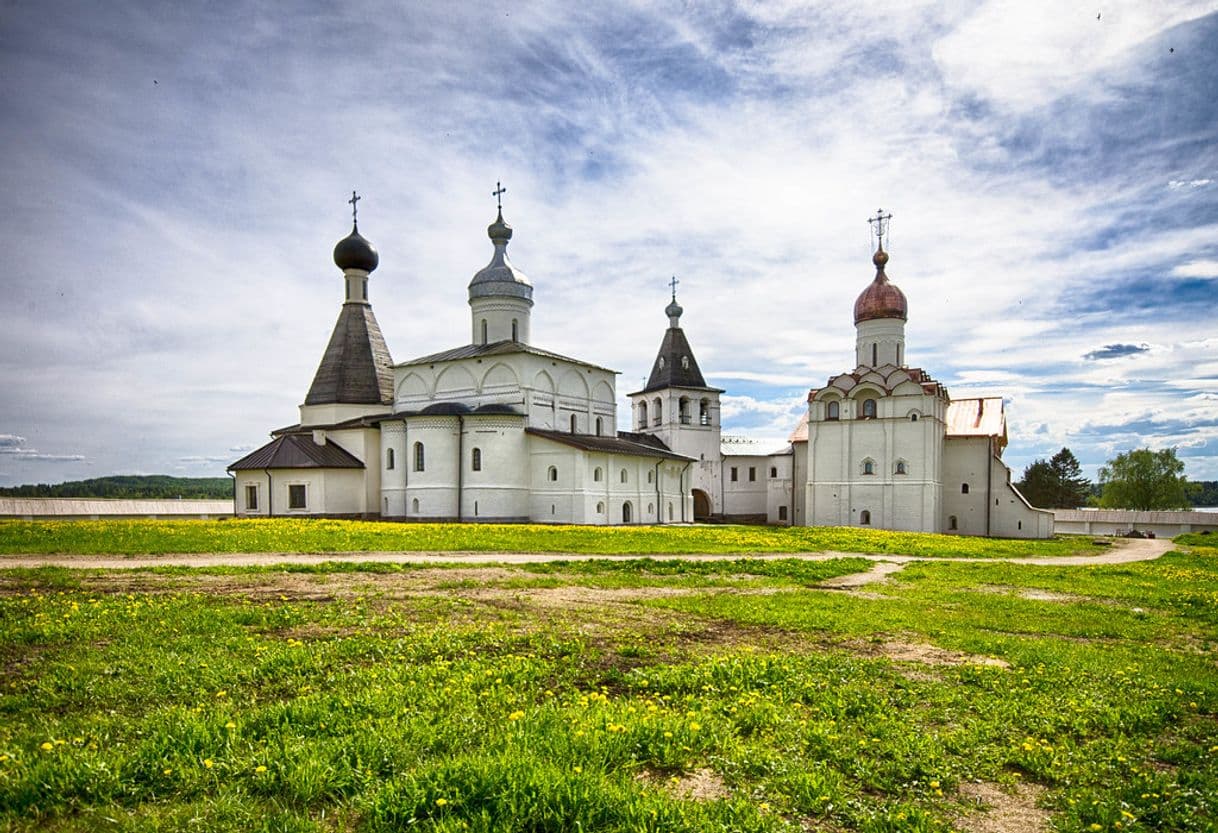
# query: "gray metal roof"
[608,445]
[298,451]
[495,348]
[356,367]
[500,277]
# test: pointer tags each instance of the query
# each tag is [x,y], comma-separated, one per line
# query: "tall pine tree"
[1056,484]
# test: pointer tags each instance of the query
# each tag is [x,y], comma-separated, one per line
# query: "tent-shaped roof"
[356,367]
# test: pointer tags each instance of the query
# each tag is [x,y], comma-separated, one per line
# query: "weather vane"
[879,224]
[498,194]
[354,208]
[673,283]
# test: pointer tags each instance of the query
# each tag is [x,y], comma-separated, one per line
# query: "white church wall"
[744,490]
[780,502]
[331,414]
[556,474]
[393,479]
[499,491]
[431,489]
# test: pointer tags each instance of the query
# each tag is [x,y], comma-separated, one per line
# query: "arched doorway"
[702,505]
[626,513]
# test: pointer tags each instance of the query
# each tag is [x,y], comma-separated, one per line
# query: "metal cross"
[879,224]
[354,199]
[673,283]
[498,194]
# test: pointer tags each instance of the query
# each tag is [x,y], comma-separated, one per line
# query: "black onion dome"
[355,252]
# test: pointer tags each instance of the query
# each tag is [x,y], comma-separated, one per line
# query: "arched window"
[642,414]
[670,511]
[625,477]
[651,507]
[875,350]
[476,459]
[869,466]
[649,475]
[552,474]
[600,507]
[596,474]
[600,426]
[865,517]
[913,417]
[626,512]
[685,362]
[657,407]
[414,506]
[868,409]
[833,410]
[901,468]
[389,459]
[419,459]
[952,523]
[964,488]
[574,423]
[773,471]
[475,507]
[484,331]
[515,330]
[683,410]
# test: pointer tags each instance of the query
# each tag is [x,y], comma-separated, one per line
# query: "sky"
[174,177]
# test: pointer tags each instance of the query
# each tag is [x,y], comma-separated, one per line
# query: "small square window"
[297,495]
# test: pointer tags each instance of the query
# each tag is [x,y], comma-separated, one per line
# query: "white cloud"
[1207,268]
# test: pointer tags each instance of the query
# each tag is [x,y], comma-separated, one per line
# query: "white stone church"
[498,430]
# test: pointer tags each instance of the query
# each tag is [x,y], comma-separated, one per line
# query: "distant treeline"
[1202,492]
[130,486]
[1199,492]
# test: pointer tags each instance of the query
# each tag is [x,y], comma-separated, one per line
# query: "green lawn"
[609,696]
[138,537]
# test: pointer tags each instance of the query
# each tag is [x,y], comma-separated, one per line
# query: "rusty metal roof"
[298,451]
[976,418]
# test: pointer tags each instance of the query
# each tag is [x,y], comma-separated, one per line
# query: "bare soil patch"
[995,810]
[926,654]
[700,785]
[877,574]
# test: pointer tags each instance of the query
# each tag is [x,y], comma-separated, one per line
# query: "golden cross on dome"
[354,199]
[879,224]
[498,194]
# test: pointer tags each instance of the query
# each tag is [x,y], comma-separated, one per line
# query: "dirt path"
[1122,552]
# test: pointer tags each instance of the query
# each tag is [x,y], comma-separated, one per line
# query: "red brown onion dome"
[880,299]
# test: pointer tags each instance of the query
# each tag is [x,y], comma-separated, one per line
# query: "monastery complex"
[497,429]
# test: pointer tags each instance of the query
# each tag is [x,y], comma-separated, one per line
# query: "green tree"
[1038,484]
[1070,485]
[1056,484]
[1144,479]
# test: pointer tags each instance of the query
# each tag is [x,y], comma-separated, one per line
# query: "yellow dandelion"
[209,763]
[47,746]
[516,715]
[693,727]
[440,802]
[260,768]
[934,785]
[230,725]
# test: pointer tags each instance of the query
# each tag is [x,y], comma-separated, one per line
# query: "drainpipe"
[659,510]
[460,462]
[270,495]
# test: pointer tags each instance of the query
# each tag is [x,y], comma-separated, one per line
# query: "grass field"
[139,537]
[612,696]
